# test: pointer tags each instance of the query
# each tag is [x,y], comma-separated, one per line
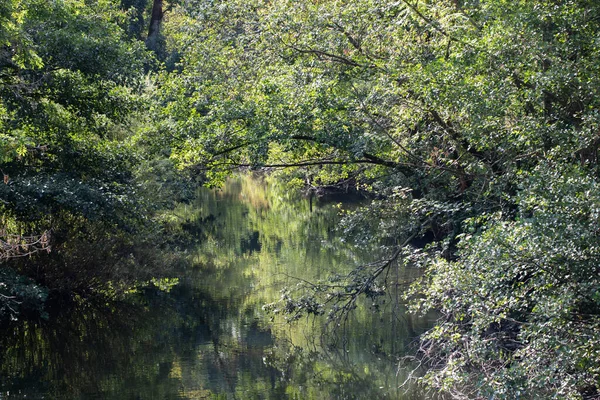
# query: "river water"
[209,336]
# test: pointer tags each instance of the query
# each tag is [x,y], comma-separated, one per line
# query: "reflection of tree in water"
[331,374]
[298,242]
[131,348]
[209,336]
[251,243]
[85,348]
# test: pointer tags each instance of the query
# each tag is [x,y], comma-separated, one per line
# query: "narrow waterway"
[208,336]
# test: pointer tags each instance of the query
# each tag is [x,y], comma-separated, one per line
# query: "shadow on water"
[208,337]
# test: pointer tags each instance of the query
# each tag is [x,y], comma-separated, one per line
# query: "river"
[207,334]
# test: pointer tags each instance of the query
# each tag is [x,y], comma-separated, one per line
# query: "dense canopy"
[474,126]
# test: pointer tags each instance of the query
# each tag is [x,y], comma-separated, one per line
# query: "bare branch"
[13,246]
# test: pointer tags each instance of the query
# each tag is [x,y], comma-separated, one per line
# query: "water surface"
[209,336]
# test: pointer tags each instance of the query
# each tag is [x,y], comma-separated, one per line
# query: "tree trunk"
[154,27]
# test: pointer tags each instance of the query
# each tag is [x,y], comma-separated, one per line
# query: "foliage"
[520,316]
[476,125]
[65,115]
[73,97]
[19,295]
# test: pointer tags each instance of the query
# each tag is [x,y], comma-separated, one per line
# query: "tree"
[63,114]
[71,90]
[520,304]
[454,113]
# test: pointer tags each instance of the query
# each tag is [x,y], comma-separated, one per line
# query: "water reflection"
[209,338]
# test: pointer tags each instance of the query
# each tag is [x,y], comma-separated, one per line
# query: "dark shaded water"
[208,337]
